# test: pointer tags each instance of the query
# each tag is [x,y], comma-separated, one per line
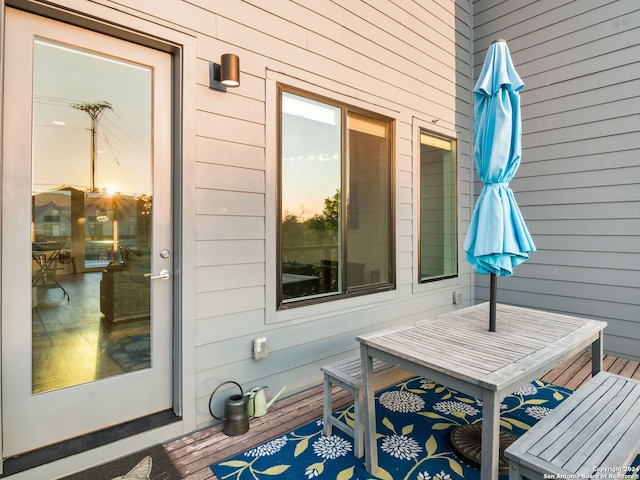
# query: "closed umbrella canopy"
[498,239]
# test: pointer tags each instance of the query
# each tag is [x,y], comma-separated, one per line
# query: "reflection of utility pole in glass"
[94,110]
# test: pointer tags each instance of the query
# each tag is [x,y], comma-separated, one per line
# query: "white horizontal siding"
[227,153]
[225,277]
[579,182]
[229,252]
[215,227]
[222,202]
[230,301]
[222,177]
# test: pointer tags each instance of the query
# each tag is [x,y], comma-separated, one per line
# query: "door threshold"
[57,451]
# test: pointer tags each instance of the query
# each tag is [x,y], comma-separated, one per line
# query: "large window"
[335,200]
[438,208]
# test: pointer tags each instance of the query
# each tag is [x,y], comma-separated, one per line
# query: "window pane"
[369,202]
[310,197]
[438,209]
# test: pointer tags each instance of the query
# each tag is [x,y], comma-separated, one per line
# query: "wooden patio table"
[458,350]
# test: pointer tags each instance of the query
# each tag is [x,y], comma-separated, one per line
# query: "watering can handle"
[214,392]
[252,398]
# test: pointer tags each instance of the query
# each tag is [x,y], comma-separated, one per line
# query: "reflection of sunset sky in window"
[311,166]
[65,75]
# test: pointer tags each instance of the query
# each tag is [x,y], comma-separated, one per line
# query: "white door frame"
[183,45]
[32,421]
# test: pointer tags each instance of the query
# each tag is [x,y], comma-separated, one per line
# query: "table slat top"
[460,343]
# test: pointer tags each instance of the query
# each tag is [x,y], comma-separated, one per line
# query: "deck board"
[193,453]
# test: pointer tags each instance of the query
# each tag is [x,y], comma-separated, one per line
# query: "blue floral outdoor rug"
[415,419]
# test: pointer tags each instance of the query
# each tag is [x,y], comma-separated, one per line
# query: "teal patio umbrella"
[498,239]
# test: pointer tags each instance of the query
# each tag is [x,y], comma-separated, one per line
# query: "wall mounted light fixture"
[225,74]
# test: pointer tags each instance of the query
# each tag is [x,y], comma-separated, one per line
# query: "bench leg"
[358,430]
[597,354]
[327,409]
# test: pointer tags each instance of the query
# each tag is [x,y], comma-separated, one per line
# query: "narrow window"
[438,208]
[335,201]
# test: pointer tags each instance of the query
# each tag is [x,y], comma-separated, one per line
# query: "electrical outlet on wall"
[260,348]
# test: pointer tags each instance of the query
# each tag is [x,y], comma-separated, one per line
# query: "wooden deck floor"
[193,454]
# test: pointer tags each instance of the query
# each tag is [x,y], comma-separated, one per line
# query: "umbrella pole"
[492,302]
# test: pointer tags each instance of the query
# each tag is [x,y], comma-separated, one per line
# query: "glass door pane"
[91,204]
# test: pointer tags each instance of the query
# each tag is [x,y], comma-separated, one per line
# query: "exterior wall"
[579,182]
[411,63]
[355,54]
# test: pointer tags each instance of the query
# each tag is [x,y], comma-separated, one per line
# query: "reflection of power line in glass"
[115,130]
[94,110]
[53,100]
[123,135]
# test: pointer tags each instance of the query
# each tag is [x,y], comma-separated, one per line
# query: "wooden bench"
[347,374]
[595,433]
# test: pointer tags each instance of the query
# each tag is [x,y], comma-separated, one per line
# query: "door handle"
[164,275]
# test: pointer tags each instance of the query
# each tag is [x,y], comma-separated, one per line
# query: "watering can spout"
[257,402]
[276,397]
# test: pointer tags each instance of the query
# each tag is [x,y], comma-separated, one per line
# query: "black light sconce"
[225,74]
